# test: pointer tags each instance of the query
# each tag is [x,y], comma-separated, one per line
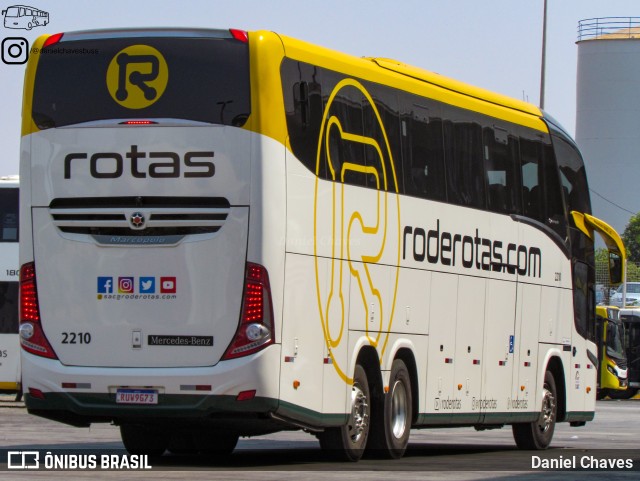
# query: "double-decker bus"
[9,269]
[230,233]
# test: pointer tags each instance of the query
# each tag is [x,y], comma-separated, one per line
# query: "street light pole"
[544,54]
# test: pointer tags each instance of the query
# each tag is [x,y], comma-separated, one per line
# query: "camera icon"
[15,50]
[125,285]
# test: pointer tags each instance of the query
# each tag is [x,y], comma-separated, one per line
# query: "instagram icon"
[125,285]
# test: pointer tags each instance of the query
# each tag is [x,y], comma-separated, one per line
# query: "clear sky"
[495,44]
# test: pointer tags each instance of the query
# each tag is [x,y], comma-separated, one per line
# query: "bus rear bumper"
[83,395]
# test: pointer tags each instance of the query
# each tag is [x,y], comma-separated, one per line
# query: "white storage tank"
[608,114]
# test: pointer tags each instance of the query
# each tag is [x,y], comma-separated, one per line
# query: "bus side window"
[463,157]
[573,176]
[532,202]
[541,190]
[553,197]
[346,110]
[423,152]
[386,103]
[501,171]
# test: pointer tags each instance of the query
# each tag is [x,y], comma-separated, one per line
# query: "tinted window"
[386,103]
[531,168]
[207,80]
[423,149]
[501,169]
[353,140]
[541,191]
[583,299]
[9,215]
[463,158]
[303,100]
[345,152]
[8,308]
[573,176]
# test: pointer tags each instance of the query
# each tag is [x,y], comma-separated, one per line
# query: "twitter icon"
[147,285]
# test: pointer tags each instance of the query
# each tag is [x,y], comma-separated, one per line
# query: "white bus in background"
[295,238]
[9,270]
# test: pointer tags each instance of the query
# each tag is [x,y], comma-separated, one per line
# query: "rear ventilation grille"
[124,219]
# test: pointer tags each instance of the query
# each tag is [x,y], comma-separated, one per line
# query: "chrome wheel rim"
[398,409]
[548,410]
[359,418]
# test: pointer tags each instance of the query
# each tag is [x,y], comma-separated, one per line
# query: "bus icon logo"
[137,76]
[23,460]
[23,17]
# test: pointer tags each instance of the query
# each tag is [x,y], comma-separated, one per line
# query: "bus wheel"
[538,434]
[216,443]
[139,439]
[347,442]
[391,424]
[625,394]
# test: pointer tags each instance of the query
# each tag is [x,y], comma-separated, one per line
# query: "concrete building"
[608,115]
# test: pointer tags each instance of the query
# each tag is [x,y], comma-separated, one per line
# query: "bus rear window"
[198,78]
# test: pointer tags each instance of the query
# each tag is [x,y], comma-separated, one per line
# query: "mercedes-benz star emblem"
[137,220]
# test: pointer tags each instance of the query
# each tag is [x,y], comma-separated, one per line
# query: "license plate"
[136,396]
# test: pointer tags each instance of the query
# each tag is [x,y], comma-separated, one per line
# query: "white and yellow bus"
[9,269]
[230,234]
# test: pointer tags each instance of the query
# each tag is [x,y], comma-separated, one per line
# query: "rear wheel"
[391,425]
[216,443]
[626,394]
[348,442]
[209,442]
[538,434]
[143,440]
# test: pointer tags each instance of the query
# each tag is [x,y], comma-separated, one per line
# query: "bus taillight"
[53,39]
[255,331]
[32,336]
[239,34]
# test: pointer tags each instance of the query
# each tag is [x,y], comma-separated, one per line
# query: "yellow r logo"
[359,231]
[137,76]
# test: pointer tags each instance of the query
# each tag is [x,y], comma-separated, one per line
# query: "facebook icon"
[105,285]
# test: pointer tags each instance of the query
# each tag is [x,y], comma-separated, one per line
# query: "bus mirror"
[615,268]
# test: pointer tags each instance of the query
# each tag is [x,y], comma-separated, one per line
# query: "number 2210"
[76,338]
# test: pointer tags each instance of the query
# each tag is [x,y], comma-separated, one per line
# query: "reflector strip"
[246,395]
[76,385]
[195,387]
[37,393]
